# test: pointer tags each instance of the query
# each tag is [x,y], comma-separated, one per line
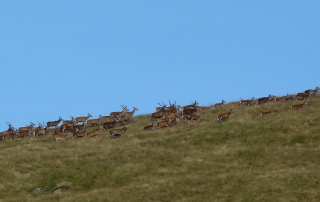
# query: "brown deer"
[117,115]
[130,114]
[110,125]
[246,102]
[299,106]
[302,96]
[149,127]
[93,133]
[224,116]
[54,123]
[82,119]
[312,93]
[78,134]
[192,106]
[266,112]
[158,114]
[219,105]
[93,122]
[162,124]
[60,136]
[118,132]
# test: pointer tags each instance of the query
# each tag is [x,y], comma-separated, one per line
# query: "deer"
[265,99]
[118,132]
[54,123]
[192,106]
[93,133]
[302,96]
[11,128]
[173,122]
[266,112]
[78,134]
[193,119]
[149,127]
[233,105]
[299,106]
[196,117]
[162,106]
[93,122]
[26,130]
[218,105]
[158,114]
[60,136]
[224,116]
[109,125]
[189,111]
[246,102]
[103,118]
[82,119]
[130,114]
[117,115]
[312,93]
[162,124]
[39,131]
[192,122]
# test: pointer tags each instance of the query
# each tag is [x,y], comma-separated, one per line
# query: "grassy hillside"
[247,158]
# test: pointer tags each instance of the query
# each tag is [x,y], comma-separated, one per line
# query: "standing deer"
[82,119]
[54,123]
[130,114]
[218,105]
[117,115]
[312,93]
[118,132]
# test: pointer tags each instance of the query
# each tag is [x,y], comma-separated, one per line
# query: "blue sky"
[69,58]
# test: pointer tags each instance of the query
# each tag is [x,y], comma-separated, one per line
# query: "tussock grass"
[247,158]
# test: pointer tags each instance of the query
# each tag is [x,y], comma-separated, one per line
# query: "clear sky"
[68,58]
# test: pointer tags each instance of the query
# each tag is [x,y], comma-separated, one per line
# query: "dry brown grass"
[247,158]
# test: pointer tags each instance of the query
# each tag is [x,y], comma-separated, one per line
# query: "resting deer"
[266,112]
[299,106]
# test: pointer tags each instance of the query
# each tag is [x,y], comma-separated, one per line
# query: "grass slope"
[247,158]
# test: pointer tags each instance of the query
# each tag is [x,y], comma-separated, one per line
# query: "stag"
[54,123]
[312,93]
[192,106]
[130,114]
[117,115]
[118,132]
[158,114]
[11,128]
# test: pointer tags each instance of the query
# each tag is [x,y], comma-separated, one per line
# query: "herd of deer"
[163,117]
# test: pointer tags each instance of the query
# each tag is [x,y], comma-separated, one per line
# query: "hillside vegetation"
[247,158]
